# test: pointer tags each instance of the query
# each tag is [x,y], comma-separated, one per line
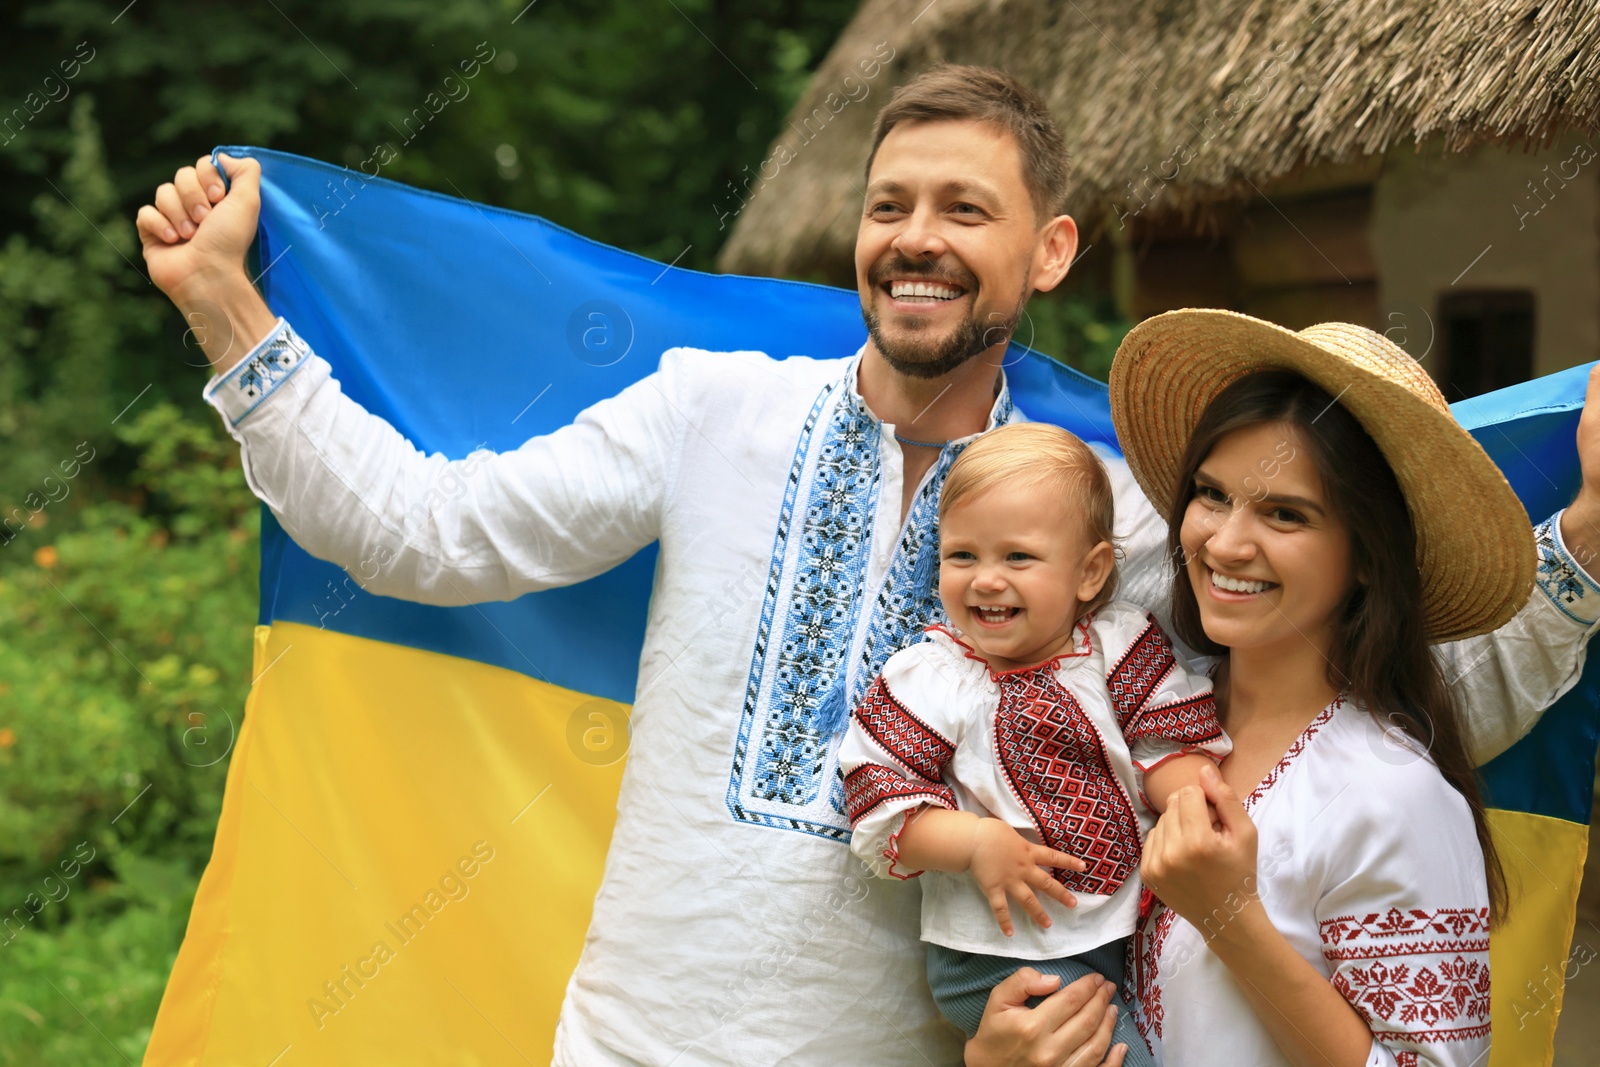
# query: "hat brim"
[1475,547]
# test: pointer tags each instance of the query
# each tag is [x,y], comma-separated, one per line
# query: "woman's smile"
[1236,589]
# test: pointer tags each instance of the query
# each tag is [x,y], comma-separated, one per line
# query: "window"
[1488,341]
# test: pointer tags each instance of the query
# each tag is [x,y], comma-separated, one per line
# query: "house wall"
[1297,254]
[1305,258]
[1494,218]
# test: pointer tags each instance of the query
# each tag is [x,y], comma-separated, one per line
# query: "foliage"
[87,992]
[124,673]
[70,304]
[1080,327]
[622,118]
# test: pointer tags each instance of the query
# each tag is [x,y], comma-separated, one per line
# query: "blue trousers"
[962,982]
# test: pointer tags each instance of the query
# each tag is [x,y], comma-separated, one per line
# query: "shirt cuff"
[248,383]
[1561,578]
[892,851]
[1186,750]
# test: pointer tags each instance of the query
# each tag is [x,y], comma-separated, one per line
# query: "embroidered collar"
[1082,645]
[1002,412]
[1289,757]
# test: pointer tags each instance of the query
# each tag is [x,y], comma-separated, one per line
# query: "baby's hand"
[1007,865]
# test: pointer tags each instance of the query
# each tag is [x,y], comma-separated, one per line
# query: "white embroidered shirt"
[1368,862]
[1057,751]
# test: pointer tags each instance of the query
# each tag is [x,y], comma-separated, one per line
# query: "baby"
[1042,728]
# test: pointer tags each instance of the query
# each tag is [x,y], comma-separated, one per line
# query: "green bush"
[125,669]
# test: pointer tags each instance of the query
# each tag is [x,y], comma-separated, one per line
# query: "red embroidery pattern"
[1418,975]
[1454,923]
[1293,754]
[1140,670]
[870,785]
[1056,765]
[907,739]
[1144,967]
[1191,721]
[891,852]
[1082,645]
[1138,676]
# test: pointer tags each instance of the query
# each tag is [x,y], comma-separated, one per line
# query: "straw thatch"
[1177,105]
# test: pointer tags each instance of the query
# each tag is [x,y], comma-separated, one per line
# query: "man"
[733,925]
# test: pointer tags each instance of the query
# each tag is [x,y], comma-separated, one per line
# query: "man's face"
[945,251]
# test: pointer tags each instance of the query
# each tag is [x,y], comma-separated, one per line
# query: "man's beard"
[917,358]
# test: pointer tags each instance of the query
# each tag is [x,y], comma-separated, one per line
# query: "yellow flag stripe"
[407,857]
[1528,956]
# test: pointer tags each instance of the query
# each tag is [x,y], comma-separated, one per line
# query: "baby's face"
[1014,564]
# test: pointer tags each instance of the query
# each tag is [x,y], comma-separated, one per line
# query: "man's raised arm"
[1505,680]
[351,489]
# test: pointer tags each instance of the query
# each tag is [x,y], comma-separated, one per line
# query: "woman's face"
[1268,560]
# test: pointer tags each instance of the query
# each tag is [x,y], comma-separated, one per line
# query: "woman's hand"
[1007,866]
[1071,1027]
[1204,870]
[1207,874]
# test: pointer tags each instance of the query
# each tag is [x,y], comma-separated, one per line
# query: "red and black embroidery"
[870,785]
[1138,676]
[1056,765]
[907,739]
[1192,721]
[1139,672]
[1416,975]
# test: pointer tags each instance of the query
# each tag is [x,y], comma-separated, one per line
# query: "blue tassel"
[834,713]
[925,576]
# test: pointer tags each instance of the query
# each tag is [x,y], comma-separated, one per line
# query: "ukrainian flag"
[420,799]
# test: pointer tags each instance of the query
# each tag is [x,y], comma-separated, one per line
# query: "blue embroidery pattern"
[1560,577]
[280,355]
[785,767]
[810,609]
[903,610]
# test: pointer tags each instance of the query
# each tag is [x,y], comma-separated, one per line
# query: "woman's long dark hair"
[1379,654]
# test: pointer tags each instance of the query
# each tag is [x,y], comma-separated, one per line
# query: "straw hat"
[1475,545]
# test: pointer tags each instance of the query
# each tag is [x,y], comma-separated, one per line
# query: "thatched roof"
[1253,89]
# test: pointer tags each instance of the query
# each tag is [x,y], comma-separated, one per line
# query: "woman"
[1331,520]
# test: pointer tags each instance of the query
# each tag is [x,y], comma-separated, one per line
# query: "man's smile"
[922,291]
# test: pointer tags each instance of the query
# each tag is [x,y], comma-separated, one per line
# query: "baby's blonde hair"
[1051,459]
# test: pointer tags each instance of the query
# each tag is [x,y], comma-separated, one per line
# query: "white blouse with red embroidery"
[1368,862]
[1058,751]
